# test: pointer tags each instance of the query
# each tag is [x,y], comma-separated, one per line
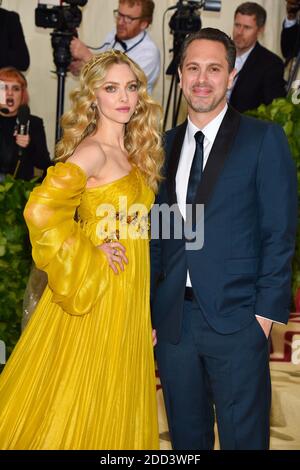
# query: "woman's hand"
[115,254]
[22,140]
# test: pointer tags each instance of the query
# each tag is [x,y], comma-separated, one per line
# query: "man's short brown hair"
[253,9]
[147,7]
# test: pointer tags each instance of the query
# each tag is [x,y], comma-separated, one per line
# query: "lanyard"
[133,46]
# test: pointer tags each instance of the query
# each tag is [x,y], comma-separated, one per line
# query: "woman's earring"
[94,106]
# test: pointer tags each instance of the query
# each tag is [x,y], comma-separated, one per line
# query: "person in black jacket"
[290,34]
[20,154]
[260,72]
[13,50]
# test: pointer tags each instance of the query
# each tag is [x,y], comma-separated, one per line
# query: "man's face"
[245,32]
[128,30]
[205,76]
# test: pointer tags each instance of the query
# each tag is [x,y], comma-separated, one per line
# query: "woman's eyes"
[132,87]
[112,88]
[15,88]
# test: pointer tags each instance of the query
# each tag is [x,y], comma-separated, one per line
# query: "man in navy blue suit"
[213,307]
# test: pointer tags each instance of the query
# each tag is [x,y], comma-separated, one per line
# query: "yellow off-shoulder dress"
[82,374]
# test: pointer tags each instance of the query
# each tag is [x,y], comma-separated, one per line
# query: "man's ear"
[261,30]
[144,25]
[231,78]
[180,77]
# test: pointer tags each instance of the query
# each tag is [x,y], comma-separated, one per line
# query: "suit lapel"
[173,161]
[216,160]
[218,155]
[247,70]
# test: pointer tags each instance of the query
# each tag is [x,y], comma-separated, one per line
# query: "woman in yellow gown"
[82,374]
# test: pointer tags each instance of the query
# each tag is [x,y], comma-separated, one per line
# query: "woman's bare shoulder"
[89,156]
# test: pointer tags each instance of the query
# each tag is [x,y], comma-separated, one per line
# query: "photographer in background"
[20,152]
[290,34]
[130,36]
[13,50]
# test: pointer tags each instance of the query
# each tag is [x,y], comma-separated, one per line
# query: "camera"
[62,18]
[186,20]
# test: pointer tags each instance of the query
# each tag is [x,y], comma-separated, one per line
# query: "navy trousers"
[209,374]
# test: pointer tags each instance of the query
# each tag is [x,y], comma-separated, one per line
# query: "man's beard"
[204,108]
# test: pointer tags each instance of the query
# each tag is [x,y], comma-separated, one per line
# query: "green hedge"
[287,114]
[15,257]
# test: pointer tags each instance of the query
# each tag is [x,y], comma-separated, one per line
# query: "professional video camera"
[64,19]
[186,20]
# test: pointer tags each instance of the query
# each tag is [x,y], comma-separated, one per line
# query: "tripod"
[183,22]
[176,101]
[60,41]
[173,91]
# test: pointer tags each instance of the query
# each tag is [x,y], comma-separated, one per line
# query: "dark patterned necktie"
[196,169]
[122,43]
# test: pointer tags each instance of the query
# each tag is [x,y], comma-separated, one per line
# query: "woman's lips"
[123,110]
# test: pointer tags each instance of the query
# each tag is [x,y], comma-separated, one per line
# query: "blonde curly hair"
[142,139]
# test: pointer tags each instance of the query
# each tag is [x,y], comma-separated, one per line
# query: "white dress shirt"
[142,50]
[186,157]
[289,23]
[187,153]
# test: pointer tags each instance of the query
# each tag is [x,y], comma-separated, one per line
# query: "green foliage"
[287,114]
[15,257]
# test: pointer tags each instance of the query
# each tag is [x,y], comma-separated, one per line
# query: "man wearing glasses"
[130,36]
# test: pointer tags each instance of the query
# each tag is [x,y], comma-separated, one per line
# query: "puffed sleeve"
[77,270]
